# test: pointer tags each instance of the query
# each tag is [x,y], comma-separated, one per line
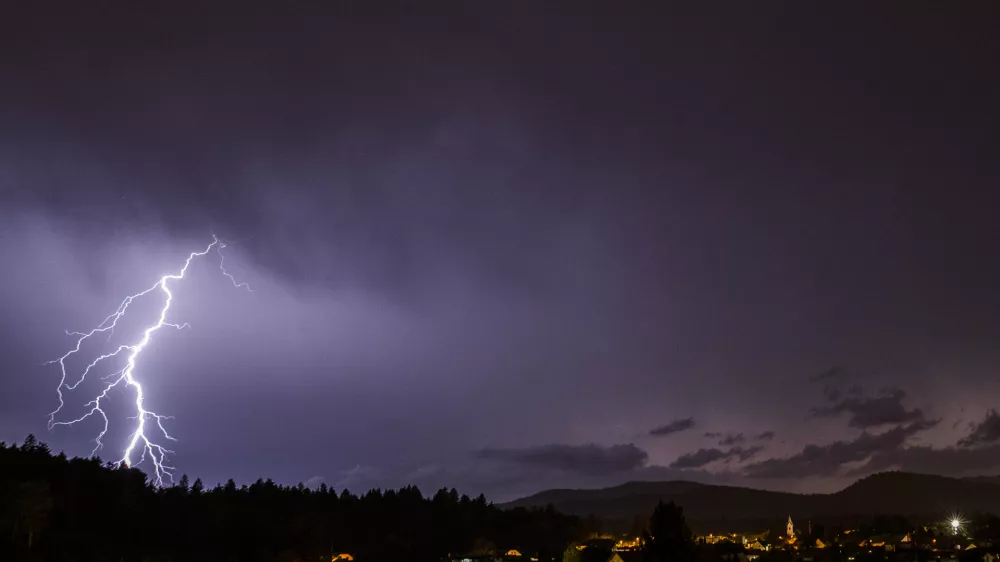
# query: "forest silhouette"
[56,508]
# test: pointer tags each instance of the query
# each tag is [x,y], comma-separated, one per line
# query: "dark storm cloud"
[984,432]
[732,439]
[703,457]
[827,460]
[452,249]
[833,373]
[699,458]
[678,425]
[589,459]
[831,393]
[729,439]
[948,461]
[885,409]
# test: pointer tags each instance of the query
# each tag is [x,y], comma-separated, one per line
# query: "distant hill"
[984,479]
[727,508]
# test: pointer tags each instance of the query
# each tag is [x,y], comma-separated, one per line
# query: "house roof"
[625,557]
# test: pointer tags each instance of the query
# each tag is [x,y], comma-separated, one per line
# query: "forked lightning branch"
[145,442]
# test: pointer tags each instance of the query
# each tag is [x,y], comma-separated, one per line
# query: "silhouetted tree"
[668,537]
[54,508]
[984,527]
[32,507]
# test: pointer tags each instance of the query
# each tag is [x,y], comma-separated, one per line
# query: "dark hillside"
[711,507]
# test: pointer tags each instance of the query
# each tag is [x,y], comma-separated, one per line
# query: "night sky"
[506,247]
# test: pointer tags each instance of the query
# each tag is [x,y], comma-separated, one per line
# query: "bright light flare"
[141,438]
[955,522]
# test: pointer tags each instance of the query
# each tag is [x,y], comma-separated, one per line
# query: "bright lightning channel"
[140,438]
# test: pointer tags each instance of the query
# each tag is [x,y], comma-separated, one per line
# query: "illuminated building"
[625,545]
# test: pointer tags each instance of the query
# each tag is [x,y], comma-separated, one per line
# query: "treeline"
[55,508]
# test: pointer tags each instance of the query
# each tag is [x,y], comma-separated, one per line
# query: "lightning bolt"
[140,439]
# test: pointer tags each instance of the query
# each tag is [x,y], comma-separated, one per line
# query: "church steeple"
[791,529]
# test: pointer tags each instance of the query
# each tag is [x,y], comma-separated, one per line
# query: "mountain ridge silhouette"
[710,507]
